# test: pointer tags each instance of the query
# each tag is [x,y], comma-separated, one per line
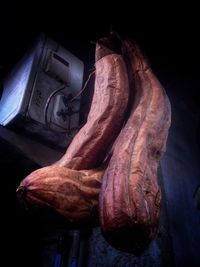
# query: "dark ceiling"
[167,34]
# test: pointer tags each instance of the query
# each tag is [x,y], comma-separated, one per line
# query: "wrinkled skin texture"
[130,197]
[71,186]
[105,119]
[73,194]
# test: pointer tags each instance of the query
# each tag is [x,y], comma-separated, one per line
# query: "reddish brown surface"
[129,202]
[130,196]
[106,116]
[74,194]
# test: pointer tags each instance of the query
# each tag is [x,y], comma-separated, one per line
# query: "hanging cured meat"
[130,197]
[73,194]
[109,104]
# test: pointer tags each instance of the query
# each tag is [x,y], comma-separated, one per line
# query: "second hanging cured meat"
[130,196]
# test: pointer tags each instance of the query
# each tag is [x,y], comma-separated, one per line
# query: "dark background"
[167,33]
[168,36]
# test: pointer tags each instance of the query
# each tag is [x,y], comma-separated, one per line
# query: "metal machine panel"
[39,95]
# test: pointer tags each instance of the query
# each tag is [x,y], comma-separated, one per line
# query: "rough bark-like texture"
[130,196]
[90,145]
[74,194]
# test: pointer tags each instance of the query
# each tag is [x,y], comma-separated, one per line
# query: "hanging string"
[85,85]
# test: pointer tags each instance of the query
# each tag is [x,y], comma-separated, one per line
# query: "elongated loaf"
[109,104]
[130,197]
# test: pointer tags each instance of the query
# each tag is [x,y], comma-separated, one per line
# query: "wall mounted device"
[39,94]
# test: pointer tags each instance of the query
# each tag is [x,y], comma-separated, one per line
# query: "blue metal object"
[74,263]
[58,260]
[75,249]
[34,91]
